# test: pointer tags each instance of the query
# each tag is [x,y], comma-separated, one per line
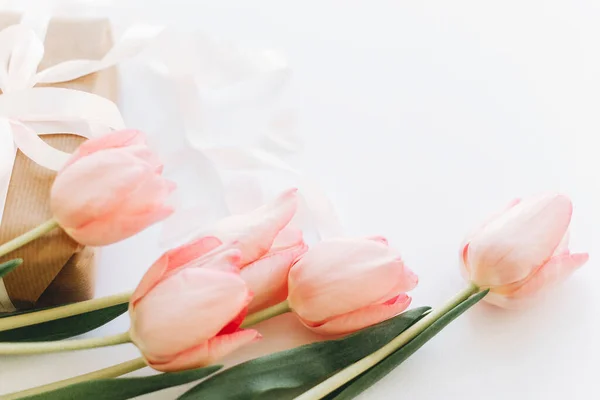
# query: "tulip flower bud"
[522,250]
[187,310]
[110,189]
[343,285]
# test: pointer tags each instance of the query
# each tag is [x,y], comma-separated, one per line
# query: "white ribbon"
[27,111]
[61,110]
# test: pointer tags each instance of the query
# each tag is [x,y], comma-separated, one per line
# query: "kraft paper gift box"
[56,269]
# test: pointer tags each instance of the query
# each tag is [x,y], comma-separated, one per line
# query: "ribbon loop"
[20,53]
[57,109]
[133,41]
[35,148]
[60,104]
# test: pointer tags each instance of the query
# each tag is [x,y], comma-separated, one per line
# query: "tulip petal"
[191,251]
[363,317]
[405,282]
[553,272]
[267,277]
[95,185]
[138,209]
[379,239]
[492,218]
[112,140]
[207,353]
[563,246]
[286,238]
[171,260]
[234,324]
[188,308]
[145,154]
[465,271]
[254,233]
[222,259]
[550,274]
[149,194]
[101,232]
[518,242]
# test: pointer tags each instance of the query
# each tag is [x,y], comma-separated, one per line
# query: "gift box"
[56,269]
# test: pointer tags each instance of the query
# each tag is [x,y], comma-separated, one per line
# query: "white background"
[420,119]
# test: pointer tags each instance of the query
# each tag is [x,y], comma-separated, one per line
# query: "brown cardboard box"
[56,269]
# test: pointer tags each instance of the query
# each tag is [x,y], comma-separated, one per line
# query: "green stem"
[110,372]
[129,366]
[8,348]
[33,318]
[9,266]
[354,370]
[265,314]
[27,237]
[62,345]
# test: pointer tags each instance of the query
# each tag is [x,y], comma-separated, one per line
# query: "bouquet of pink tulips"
[201,301]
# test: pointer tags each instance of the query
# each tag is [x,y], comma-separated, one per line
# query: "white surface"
[420,119]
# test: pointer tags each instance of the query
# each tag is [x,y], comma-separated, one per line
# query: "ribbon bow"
[24,107]
[26,110]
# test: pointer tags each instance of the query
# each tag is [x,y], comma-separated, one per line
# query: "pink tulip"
[187,310]
[268,247]
[343,285]
[110,189]
[522,251]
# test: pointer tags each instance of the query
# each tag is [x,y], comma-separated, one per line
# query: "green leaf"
[124,388]
[32,310]
[8,266]
[373,375]
[285,374]
[65,327]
